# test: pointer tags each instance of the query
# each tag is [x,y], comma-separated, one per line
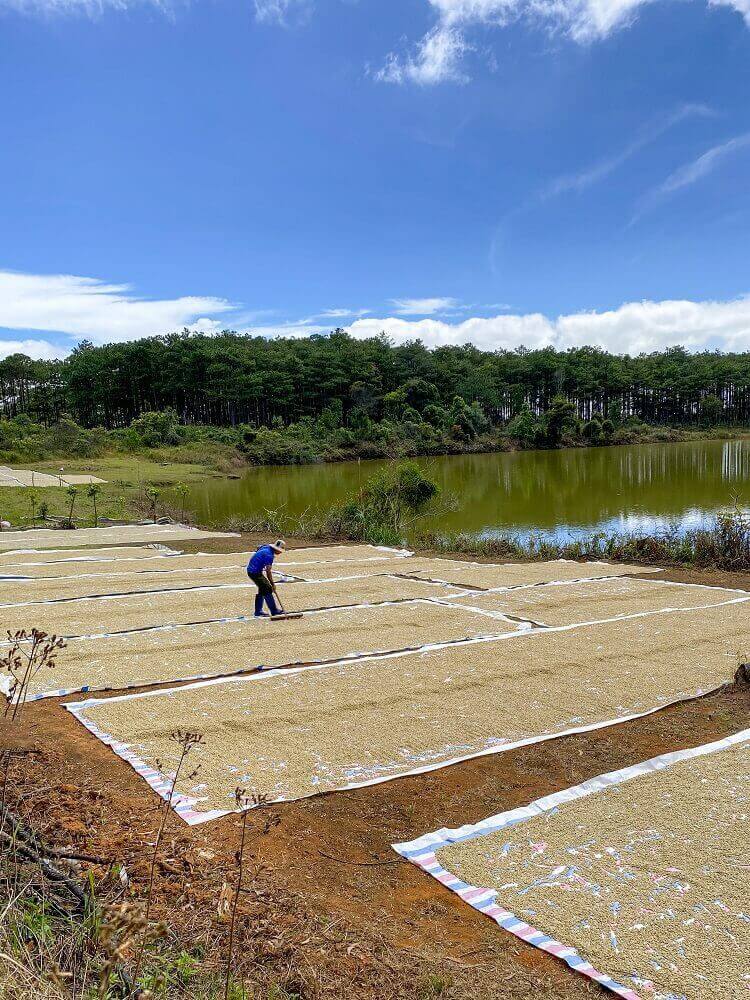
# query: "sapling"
[182,492]
[93,492]
[72,497]
[245,801]
[152,495]
[33,497]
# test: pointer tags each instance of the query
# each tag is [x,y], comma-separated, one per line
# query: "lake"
[558,493]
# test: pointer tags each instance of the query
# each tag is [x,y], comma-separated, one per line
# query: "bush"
[153,429]
[386,506]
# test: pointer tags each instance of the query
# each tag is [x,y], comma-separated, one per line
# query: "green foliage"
[386,506]
[724,545]
[712,410]
[152,495]
[234,399]
[154,429]
[593,430]
[560,422]
[72,495]
[524,427]
[93,492]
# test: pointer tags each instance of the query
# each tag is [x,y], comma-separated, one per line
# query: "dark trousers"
[265,593]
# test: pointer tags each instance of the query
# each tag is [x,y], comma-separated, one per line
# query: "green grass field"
[123,496]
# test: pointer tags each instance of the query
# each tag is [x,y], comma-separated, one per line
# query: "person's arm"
[269,574]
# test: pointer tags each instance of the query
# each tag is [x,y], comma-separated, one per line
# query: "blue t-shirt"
[262,558]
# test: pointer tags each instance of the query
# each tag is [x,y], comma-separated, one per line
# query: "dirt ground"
[330,909]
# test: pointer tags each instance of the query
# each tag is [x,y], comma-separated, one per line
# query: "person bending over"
[260,572]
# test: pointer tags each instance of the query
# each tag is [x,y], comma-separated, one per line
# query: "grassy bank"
[159,438]
[723,545]
[134,487]
[391,506]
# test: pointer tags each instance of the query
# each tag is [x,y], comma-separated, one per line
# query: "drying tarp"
[289,734]
[487,575]
[639,879]
[190,651]
[48,538]
[567,603]
[21,560]
[336,557]
[88,616]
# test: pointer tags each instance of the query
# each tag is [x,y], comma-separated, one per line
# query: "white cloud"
[100,312]
[424,307]
[691,172]
[438,56]
[741,6]
[436,59]
[603,168]
[342,313]
[40,349]
[632,328]
[281,11]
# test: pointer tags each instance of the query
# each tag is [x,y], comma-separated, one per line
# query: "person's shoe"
[261,614]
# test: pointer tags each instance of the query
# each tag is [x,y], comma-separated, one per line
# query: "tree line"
[233,379]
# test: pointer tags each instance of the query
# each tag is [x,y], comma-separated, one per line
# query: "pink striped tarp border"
[183,805]
[483,900]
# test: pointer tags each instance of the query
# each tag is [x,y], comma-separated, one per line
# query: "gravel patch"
[648,880]
[293,734]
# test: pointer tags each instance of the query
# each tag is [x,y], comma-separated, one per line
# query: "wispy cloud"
[438,56]
[690,173]
[282,12]
[435,59]
[97,310]
[600,170]
[424,307]
[342,313]
[741,6]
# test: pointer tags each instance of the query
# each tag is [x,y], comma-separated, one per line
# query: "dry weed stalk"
[245,802]
[187,741]
[29,653]
[122,928]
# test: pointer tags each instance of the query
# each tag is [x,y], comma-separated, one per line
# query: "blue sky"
[494,171]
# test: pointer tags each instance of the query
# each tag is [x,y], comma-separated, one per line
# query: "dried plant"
[187,741]
[29,653]
[124,927]
[245,802]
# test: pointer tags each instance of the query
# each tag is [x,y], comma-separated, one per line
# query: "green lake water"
[558,493]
